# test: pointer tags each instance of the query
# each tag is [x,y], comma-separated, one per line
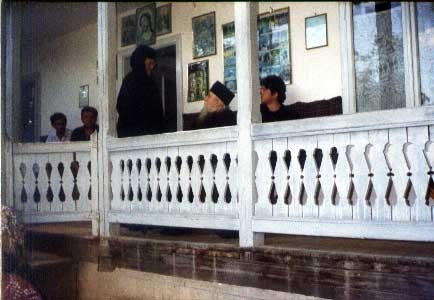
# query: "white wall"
[316,73]
[70,60]
[64,64]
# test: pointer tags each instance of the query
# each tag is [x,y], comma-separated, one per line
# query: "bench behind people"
[298,110]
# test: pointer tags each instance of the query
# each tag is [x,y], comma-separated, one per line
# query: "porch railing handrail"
[181,138]
[363,121]
[45,148]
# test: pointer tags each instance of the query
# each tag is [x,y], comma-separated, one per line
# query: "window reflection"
[425,35]
[379,56]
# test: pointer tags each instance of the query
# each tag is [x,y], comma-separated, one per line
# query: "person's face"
[59,125]
[88,119]
[144,23]
[150,65]
[267,96]
[212,102]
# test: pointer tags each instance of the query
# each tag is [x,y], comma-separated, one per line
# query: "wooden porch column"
[107,103]
[248,112]
[11,15]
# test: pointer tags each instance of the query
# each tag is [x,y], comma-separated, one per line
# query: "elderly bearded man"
[216,111]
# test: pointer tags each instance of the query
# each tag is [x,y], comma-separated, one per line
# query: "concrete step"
[55,277]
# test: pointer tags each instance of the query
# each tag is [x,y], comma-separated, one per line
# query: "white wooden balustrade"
[53,182]
[317,177]
[184,179]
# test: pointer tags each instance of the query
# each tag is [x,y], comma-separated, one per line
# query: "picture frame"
[229,56]
[198,80]
[275,45]
[163,21]
[145,20]
[316,35]
[128,30]
[204,35]
[83,96]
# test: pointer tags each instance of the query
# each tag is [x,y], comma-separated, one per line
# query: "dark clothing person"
[225,117]
[139,103]
[284,113]
[79,134]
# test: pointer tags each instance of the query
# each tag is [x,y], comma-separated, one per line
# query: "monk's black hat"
[221,91]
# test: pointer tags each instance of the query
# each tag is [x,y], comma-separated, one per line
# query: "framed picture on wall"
[128,30]
[274,45]
[204,35]
[145,20]
[229,56]
[83,96]
[316,31]
[198,81]
[163,20]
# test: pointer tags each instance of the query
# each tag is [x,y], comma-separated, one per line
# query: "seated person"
[273,95]
[89,116]
[216,111]
[59,133]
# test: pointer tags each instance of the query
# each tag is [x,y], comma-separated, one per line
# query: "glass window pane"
[378,56]
[425,36]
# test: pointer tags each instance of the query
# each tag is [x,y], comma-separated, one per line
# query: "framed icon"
[163,21]
[128,30]
[198,81]
[145,19]
[204,35]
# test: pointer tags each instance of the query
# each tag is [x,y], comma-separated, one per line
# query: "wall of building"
[316,72]
[130,284]
[66,63]
[70,60]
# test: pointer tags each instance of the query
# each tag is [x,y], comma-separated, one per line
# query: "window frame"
[411,57]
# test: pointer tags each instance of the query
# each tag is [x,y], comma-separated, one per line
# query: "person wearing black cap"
[273,95]
[216,111]
[139,103]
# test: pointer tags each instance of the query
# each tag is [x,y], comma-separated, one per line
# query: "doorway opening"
[168,81]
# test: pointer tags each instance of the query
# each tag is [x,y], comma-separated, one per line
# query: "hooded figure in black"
[139,103]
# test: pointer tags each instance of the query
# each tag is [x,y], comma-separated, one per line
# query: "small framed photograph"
[83,96]
[198,81]
[164,19]
[316,32]
[204,35]
[145,19]
[128,30]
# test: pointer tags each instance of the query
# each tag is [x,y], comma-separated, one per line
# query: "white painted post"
[248,112]
[94,184]
[107,102]
[10,92]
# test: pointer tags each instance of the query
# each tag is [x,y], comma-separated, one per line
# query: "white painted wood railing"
[342,176]
[176,179]
[55,182]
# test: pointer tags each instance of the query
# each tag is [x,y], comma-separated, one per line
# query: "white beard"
[203,113]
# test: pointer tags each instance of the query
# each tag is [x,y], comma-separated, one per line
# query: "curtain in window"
[378,56]
[425,36]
